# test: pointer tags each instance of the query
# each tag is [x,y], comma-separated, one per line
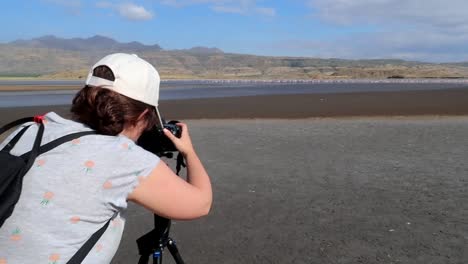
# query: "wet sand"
[296,183]
[435,102]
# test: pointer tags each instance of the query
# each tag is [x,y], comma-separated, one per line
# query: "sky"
[420,30]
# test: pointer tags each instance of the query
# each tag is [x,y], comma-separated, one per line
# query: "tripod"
[154,242]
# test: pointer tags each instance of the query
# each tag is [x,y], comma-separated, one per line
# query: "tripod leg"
[171,245]
[143,259]
[157,256]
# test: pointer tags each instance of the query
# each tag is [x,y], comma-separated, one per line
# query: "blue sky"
[425,30]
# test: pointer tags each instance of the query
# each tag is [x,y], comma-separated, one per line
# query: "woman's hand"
[184,143]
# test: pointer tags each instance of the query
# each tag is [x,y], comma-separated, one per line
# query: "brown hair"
[106,111]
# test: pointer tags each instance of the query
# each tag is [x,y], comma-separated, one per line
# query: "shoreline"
[48,85]
[449,102]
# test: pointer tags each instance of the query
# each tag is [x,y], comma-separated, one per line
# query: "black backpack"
[13,169]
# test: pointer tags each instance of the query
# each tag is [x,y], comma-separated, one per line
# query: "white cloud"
[428,30]
[128,10]
[435,13]
[134,12]
[243,7]
[410,45]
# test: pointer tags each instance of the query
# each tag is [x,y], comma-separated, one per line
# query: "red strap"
[39,119]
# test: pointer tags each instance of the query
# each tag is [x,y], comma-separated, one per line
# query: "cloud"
[427,30]
[409,45]
[134,12]
[435,13]
[129,11]
[242,7]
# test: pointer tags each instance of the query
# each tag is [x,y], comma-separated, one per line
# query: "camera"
[155,141]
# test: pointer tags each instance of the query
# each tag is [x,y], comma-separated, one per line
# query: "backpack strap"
[42,149]
[81,254]
[16,123]
[37,142]
[9,146]
[59,141]
[35,149]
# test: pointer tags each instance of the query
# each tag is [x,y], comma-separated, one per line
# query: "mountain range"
[59,58]
[79,44]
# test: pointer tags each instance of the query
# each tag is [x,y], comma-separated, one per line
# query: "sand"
[366,190]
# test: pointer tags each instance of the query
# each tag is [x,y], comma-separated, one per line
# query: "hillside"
[57,58]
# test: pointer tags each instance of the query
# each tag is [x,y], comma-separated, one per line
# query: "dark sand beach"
[326,178]
[431,102]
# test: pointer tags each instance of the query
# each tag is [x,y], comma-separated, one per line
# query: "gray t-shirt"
[71,192]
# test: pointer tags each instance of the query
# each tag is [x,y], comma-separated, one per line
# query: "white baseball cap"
[134,77]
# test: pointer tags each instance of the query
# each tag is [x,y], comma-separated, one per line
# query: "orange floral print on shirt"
[115,224]
[47,197]
[99,247]
[89,164]
[75,219]
[16,234]
[54,258]
[3,261]
[107,185]
[75,142]
[40,162]
[127,146]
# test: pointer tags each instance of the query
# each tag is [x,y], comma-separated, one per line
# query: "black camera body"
[155,141]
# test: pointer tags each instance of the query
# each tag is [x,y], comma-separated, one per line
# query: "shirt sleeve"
[132,165]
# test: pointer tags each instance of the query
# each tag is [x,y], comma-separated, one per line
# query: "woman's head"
[121,92]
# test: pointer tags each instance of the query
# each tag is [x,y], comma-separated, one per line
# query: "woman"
[74,189]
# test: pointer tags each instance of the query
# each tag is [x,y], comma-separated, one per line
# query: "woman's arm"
[167,195]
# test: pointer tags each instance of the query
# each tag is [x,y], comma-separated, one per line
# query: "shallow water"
[198,89]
